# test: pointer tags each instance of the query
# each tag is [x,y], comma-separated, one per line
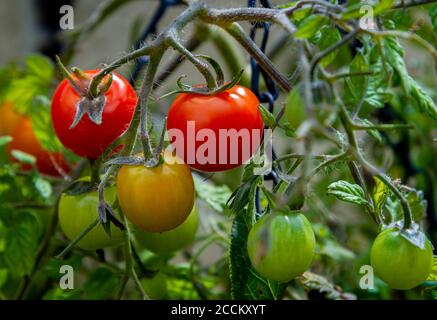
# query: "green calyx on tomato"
[212,128]
[79,211]
[281,245]
[89,135]
[156,199]
[398,262]
[173,240]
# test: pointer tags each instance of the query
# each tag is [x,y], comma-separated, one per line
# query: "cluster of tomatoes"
[162,224]
[280,245]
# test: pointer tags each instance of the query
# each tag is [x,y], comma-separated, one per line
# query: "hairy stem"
[76,240]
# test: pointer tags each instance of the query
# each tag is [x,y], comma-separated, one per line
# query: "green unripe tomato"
[173,240]
[156,287]
[281,246]
[79,211]
[398,262]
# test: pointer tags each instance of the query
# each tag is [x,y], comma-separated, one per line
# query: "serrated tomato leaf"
[246,283]
[348,192]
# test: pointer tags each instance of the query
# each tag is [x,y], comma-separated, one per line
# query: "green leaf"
[36,80]
[267,117]
[309,26]
[40,66]
[424,102]
[60,294]
[355,10]
[336,252]
[348,192]
[42,124]
[356,86]
[7,74]
[295,108]
[433,15]
[394,55]
[43,187]
[23,157]
[53,265]
[380,194]
[101,284]
[312,281]
[368,89]
[246,283]
[5,140]
[377,88]
[382,6]
[299,14]
[372,132]
[329,36]
[430,293]
[3,276]
[242,195]
[22,240]
[416,201]
[433,274]
[215,196]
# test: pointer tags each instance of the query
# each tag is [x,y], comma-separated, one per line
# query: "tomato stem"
[200,65]
[76,240]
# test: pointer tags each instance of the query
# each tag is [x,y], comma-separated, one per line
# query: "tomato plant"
[77,212]
[281,246]
[294,159]
[398,262]
[89,139]
[173,240]
[147,210]
[231,111]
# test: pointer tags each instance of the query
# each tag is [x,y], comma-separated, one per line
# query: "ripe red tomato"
[24,139]
[218,132]
[88,139]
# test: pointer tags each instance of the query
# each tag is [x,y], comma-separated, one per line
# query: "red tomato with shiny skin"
[24,139]
[88,139]
[225,113]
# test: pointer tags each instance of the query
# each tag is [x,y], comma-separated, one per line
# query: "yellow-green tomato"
[398,262]
[156,199]
[281,246]
[156,287]
[173,240]
[79,211]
